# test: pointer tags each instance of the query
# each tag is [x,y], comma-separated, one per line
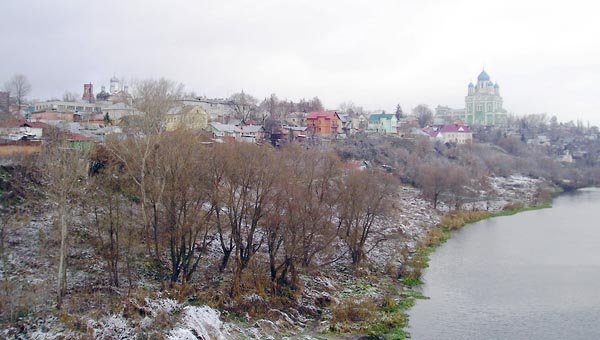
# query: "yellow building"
[189,117]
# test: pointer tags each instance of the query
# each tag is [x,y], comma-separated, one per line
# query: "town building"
[483,104]
[191,117]
[113,105]
[383,123]
[447,114]
[118,92]
[18,129]
[241,133]
[49,116]
[65,106]
[218,109]
[450,133]
[323,123]
[296,119]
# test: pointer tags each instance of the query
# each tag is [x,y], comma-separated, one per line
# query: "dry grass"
[354,311]
[457,219]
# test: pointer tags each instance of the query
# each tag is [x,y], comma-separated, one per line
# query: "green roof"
[379,116]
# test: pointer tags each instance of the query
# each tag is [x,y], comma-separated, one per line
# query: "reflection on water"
[534,275]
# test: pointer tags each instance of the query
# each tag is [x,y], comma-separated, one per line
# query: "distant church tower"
[483,103]
[88,93]
[115,85]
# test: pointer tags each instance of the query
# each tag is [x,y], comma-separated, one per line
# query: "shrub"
[513,206]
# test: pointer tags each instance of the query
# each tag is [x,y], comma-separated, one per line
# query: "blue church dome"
[471,85]
[496,85]
[483,76]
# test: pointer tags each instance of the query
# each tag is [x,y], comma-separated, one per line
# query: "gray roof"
[224,127]
[250,128]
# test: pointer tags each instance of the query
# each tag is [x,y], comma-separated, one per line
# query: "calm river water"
[534,275]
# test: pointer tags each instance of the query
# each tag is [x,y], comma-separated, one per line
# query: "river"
[533,275]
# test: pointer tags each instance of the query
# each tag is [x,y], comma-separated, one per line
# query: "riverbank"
[527,276]
[377,312]
[454,220]
[336,301]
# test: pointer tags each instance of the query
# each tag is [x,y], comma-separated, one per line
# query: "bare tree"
[184,206]
[424,114]
[316,104]
[244,105]
[364,200]
[350,108]
[19,87]
[113,214]
[65,168]
[70,96]
[321,183]
[154,98]
[300,224]
[281,221]
[217,169]
[249,187]
[458,179]
[140,155]
[431,177]
[273,106]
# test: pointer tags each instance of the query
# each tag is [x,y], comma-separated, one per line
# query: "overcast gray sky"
[544,54]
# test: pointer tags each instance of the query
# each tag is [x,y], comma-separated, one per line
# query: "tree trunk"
[62,266]
[225,260]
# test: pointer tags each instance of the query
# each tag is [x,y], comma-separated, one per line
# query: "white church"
[483,104]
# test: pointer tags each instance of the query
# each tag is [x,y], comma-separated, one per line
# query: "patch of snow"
[113,327]
[253,298]
[199,323]
[182,334]
[166,305]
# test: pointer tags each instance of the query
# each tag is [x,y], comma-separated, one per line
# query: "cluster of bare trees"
[453,174]
[281,210]
[280,108]
[246,106]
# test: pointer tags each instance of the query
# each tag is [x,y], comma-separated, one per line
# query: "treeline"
[457,174]
[175,199]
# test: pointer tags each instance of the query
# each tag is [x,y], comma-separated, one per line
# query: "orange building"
[324,122]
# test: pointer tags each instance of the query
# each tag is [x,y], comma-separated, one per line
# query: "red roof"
[455,128]
[37,125]
[322,114]
[17,122]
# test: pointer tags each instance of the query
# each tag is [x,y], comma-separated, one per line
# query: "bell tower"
[88,93]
